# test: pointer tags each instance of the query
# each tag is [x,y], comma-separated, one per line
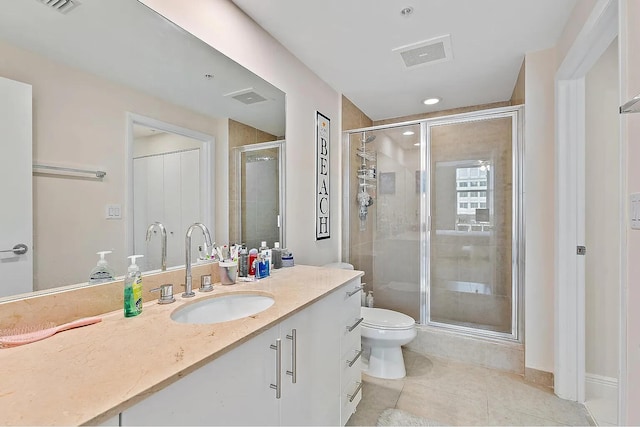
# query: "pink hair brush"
[20,336]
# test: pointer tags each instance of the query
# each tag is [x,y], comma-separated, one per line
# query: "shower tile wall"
[361,243]
[471,271]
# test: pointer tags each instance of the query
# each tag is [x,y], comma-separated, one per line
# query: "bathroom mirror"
[90,65]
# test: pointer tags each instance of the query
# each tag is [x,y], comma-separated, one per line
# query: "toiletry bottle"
[101,273]
[133,289]
[253,254]
[264,249]
[363,298]
[276,255]
[243,262]
[370,299]
[262,268]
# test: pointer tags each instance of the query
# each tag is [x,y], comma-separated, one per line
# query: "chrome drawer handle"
[278,385]
[355,393]
[355,291]
[294,362]
[355,359]
[351,328]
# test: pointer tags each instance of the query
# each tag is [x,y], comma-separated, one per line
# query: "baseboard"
[599,386]
[539,377]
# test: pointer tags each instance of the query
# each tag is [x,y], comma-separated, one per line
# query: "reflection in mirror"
[170,189]
[88,69]
[260,196]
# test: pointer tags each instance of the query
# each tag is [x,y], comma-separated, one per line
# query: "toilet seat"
[380,318]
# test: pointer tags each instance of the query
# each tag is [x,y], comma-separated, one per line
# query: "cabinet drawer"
[350,397]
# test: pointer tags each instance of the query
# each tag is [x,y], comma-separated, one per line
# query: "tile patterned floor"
[452,393]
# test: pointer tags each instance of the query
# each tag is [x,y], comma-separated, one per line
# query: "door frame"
[207,171]
[599,30]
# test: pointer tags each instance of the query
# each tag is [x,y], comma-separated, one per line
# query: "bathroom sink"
[222,309]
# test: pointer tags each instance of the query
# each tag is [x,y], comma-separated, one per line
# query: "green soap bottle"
[133,289]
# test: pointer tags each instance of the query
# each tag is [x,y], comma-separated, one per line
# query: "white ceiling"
[126,42]
[348,43]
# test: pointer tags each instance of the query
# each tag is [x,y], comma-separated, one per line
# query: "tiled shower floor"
[452,393]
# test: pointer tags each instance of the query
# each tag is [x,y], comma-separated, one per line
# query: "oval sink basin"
[222,309]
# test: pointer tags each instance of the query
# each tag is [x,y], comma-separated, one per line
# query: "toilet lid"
[385,319]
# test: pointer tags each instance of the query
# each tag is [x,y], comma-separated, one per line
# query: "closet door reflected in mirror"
[257,195]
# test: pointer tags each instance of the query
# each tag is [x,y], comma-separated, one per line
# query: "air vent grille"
[250,98]
[62,6]
[247,96]
[426,52]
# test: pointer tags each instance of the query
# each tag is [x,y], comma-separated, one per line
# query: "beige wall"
[87,130]
[442,113]
[602,213]
[352,116]
[225,27]
[517,97]
[630,60]
[539,135]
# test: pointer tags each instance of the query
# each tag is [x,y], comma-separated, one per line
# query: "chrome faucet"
[163,235]
[188,291]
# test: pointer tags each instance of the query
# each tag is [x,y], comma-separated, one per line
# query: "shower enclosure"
[441,236]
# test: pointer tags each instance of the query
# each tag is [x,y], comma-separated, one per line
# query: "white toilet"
[383,333]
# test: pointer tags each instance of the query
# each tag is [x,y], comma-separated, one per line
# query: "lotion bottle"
[370,299]
[101,273]
[133,289]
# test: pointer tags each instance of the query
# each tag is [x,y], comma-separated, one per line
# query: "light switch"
[634,215]
[113,212]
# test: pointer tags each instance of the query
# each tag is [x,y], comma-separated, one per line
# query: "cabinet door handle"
[278,385]
[294,362]
[355,291]
[355,393]
[351,362]
[352,327]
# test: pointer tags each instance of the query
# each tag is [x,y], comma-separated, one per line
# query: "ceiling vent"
[247,96]
[429,51]
[62,6]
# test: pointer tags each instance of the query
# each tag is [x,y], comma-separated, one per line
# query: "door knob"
[19,249]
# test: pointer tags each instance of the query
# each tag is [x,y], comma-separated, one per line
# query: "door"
[16,269]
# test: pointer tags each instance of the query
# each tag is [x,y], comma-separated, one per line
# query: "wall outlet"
[113,212]
[634,215]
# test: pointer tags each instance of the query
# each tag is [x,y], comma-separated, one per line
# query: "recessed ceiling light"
[431,101]
[417,144]
[408,133]
[406,11]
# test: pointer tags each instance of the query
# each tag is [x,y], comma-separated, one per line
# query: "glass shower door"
[470,267]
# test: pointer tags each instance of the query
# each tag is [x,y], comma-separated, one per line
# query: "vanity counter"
[90,374]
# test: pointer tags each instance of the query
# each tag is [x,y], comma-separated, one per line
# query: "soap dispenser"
[101,273]
[133,289]
[370,299]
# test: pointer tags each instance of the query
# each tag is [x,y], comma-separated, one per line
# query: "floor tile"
[453,393]
[375,399]
[512,392]
[442,407]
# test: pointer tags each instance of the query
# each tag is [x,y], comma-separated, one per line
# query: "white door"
[16,270]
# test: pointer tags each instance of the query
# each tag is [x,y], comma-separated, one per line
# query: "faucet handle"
[166,294]
[205,283]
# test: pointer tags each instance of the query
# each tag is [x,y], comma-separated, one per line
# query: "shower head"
[367,139]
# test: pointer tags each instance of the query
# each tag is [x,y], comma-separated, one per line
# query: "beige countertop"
[90,374]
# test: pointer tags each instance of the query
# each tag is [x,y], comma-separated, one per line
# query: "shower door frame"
[238,151]
[518,217]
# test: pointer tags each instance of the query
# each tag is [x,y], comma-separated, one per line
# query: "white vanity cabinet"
[240,387]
